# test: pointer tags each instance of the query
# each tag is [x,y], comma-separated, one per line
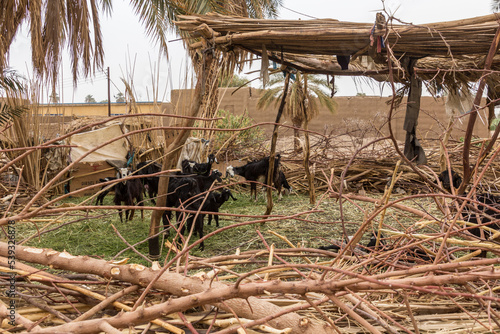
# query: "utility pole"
[109,95]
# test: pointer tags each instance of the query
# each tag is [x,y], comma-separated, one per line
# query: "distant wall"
[355,114]
[96,109]
[358,115]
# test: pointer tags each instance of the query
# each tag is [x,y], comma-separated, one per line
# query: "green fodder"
[89,234]
[237,140]
[298,222]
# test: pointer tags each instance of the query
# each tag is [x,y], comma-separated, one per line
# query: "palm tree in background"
[89,99]
[302,99]
[232,81]
[75,25]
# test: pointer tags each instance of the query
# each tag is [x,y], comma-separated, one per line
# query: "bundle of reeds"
[311,45]
[332,37]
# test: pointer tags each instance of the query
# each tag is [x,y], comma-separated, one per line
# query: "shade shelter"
[324,45]
[449,55]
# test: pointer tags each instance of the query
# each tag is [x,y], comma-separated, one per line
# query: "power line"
[312,17]
[66,82]
[97,75]
[69,83]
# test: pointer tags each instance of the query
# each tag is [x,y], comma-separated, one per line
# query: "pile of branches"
[363,164]
[408,284]
[418,277]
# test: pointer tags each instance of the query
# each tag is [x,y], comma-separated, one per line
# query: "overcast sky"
[130,53]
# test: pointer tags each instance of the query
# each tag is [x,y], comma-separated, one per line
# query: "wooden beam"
[413,151]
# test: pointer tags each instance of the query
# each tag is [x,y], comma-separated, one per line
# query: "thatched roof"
[312,45]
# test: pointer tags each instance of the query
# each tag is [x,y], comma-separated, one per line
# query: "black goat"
[127,191]
[444,178]
[187,192]
[180,189]
[214,202]
[211,203]
[256,171]
[205,182]
[484,211]
[196,204]
[150,183]
[204,168]
[106,189]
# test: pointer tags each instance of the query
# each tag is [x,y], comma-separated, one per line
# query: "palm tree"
[300,107]
[54,97]
[54,25]
[120,97]
[89,99]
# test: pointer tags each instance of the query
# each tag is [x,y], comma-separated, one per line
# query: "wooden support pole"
[109,93]
[473,115]
[169,161]
[274,140]
[307,146]
[413,151]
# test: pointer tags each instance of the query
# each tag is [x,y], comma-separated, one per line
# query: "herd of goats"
[188,189]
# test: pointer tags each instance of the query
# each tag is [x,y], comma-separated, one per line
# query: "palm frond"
[328,102]
[12,88]
[54,37]
[11,81]
[107,6]
[268,97]
[158,17]
[37,54]
[495,6]
[8,113]
[263,8]
[12,14]
[98,42]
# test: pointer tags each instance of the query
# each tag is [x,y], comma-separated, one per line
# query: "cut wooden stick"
[106,302]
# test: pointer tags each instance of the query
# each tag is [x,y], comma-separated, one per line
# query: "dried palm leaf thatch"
[444,50]
[332,37]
